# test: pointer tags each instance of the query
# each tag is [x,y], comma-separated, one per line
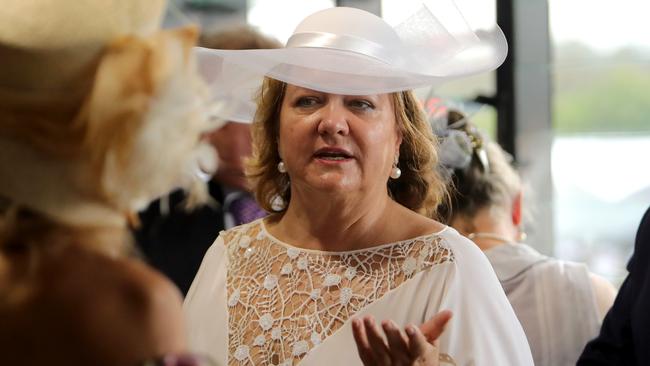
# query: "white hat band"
[341,42]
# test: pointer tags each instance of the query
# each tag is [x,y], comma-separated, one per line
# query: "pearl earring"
[395,172]
[522,236]
[281,167]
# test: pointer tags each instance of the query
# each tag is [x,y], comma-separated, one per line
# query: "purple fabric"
[244,209]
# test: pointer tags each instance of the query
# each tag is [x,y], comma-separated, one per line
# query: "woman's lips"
[332,155]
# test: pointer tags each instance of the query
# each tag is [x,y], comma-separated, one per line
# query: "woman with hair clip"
[342,157]
[100,112]
[560,304]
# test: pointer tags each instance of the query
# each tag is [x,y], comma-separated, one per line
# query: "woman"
[345,165]
[91,97]
[560,304]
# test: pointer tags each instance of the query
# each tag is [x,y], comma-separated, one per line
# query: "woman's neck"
[488,240]
[23,228]
[488,230]
[335,222]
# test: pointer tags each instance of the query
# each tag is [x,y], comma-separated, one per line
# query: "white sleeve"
[484,329]
[206,315]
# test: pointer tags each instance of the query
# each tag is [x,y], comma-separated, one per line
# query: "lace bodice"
[283,301]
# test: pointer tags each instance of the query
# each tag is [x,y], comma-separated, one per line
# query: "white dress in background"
[553,299]
[259,301]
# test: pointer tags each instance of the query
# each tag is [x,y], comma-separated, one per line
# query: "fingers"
[398,349]
[397,343]
[370,345]
[419,347]
[433,328]
[381,355]
[361,339]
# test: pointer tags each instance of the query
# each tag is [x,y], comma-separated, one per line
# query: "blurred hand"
[412,346]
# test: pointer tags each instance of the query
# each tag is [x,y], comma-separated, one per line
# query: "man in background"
[174,240]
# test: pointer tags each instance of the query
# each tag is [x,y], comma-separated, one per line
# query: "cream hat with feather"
[100,110]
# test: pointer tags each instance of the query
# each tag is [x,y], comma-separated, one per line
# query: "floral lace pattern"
[283,301]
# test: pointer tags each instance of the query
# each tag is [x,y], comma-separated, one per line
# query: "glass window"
[601,104]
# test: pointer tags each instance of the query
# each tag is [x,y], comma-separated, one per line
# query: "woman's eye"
[306,102]
[362,104]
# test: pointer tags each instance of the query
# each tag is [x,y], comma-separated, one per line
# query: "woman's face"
[337,142]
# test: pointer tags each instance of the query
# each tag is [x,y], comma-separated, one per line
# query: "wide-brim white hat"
[349,51]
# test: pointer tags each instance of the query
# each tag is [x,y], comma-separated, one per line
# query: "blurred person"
[88,92]
[341,156]
[625,334]
[173,238]
[560,304]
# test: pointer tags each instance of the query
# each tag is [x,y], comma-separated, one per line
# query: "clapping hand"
[412,346]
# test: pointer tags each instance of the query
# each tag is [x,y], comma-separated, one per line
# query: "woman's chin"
[333,182]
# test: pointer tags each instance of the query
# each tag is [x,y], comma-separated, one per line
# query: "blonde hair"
[420,188]
[477,187]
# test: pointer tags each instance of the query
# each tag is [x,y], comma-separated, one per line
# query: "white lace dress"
[259,301]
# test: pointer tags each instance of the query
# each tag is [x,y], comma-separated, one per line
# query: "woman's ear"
[398,142]
[277,146]
[517,209]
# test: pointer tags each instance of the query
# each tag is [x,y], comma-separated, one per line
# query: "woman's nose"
[334,119]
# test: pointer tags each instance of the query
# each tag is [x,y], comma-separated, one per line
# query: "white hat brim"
[236,75]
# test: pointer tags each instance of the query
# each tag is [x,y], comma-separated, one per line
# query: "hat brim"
[236,75]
